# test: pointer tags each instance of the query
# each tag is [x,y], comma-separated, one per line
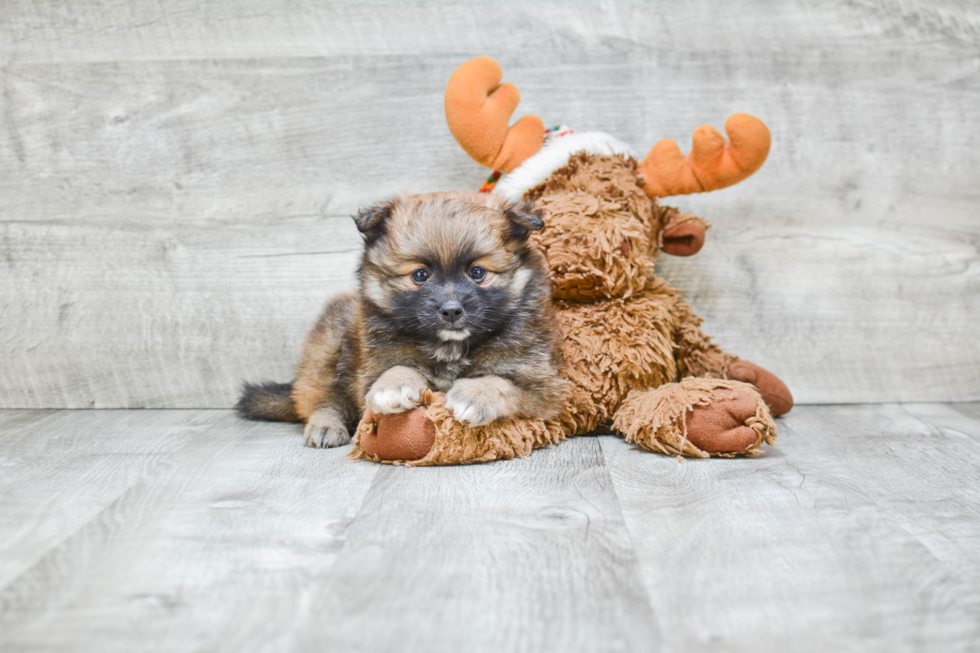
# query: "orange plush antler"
[478,108]
[713,162]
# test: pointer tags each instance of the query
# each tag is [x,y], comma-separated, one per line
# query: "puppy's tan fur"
[379,348]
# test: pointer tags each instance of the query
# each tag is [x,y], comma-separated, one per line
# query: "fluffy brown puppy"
[451,298]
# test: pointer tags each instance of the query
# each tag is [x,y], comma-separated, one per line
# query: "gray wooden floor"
[192,530]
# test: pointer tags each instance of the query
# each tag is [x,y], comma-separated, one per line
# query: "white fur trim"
[555,155]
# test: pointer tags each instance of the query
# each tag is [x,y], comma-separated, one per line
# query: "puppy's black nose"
[451,311]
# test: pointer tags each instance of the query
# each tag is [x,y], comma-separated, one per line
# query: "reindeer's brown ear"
[684,239]
[372,221]
[682,234]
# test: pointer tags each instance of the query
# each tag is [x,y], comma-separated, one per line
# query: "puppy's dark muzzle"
[450,312]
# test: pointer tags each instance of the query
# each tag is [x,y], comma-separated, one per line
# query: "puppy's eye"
[419,276]
[478,273]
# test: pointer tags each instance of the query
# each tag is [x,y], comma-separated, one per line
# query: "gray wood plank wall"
[176,178]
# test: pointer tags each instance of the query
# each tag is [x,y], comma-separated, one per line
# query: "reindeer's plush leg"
[430,435]
[698,418]
[697,356]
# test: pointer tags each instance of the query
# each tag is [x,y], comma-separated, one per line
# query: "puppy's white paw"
[474,404]
[473,413]
[325,432]
[394,398]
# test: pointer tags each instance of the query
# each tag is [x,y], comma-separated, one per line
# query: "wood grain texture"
[61,469]
[194,530]
[246,540]
[218,549]
[175,180]
[144,325]
[525,555]
[104,30]
[969,410]
[858,531]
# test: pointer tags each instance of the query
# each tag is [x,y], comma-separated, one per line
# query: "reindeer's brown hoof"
[720,426]
[774,392]
[399,436]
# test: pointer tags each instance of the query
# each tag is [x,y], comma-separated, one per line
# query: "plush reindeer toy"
[633,353]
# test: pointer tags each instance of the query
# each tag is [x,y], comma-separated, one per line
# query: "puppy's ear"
[372,222]
[524,219]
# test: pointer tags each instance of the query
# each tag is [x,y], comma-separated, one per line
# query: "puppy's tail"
[268,401]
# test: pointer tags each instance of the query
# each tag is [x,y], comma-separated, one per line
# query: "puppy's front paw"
[475,402]
[326,436]
[325,430]
[393,398]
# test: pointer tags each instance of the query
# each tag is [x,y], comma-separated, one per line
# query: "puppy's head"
[450,267]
